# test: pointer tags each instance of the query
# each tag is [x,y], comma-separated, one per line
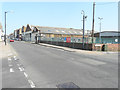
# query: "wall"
[108,47]
[113,47]
[96,47]
[71,45]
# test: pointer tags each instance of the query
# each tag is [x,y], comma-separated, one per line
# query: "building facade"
[108,37]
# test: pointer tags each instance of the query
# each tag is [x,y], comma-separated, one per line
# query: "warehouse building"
[55,33]
[51,33]
[108,37]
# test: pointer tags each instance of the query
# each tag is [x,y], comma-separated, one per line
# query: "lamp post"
[5,25]
[100,29]
[84,17]
[5,28]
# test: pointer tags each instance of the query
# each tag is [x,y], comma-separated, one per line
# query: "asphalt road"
[47,67]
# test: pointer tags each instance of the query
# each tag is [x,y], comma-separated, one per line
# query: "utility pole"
[5,29]
[5,26]
[100,29]
[84,17]
[93,22]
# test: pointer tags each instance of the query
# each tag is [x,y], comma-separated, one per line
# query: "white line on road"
[9,59]
[31,84]
[29,81]
[11,70]
[10,65]
[21,69]
[18,64]
[14,57]
[25,74]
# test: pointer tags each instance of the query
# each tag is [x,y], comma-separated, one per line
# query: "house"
[108,37]
[11,36]
[23,32]
[18,34]
[28,32]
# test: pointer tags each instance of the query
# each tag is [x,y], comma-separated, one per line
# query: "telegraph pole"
[5,29]
[5,26]
[100,29]
[93,22]
[84,17]
[83,28]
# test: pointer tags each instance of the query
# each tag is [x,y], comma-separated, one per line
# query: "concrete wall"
[96,47]
[71,45]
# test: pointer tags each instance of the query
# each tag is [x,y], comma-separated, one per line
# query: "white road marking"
[10,65]
[21,69]
[31,84]
[11,70]
[26,75]
[14,56]
[18,64]
[9,59]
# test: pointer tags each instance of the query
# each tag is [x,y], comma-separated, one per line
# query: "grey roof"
[110,33]
[57,30]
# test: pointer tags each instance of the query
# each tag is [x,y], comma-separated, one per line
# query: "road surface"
[37,66]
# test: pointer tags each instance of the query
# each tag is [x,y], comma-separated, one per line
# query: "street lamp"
[5,24]
[84,17]
[100,29]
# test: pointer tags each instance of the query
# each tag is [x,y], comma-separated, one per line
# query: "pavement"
[12,76]
[46,66]
[77,50]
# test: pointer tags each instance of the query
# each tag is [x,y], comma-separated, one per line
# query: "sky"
[59,14]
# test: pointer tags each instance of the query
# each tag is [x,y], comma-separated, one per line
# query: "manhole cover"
[68,85]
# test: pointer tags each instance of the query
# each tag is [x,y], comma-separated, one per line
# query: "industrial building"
[108,37]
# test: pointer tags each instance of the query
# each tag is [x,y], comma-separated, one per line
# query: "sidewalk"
[73,50]
[10,74]
[0,65]
[4,50]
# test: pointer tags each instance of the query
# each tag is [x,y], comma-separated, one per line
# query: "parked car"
[11,40]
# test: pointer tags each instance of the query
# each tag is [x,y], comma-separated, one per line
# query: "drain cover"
[68,85]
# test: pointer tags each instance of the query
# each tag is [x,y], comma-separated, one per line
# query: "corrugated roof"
[56,30]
